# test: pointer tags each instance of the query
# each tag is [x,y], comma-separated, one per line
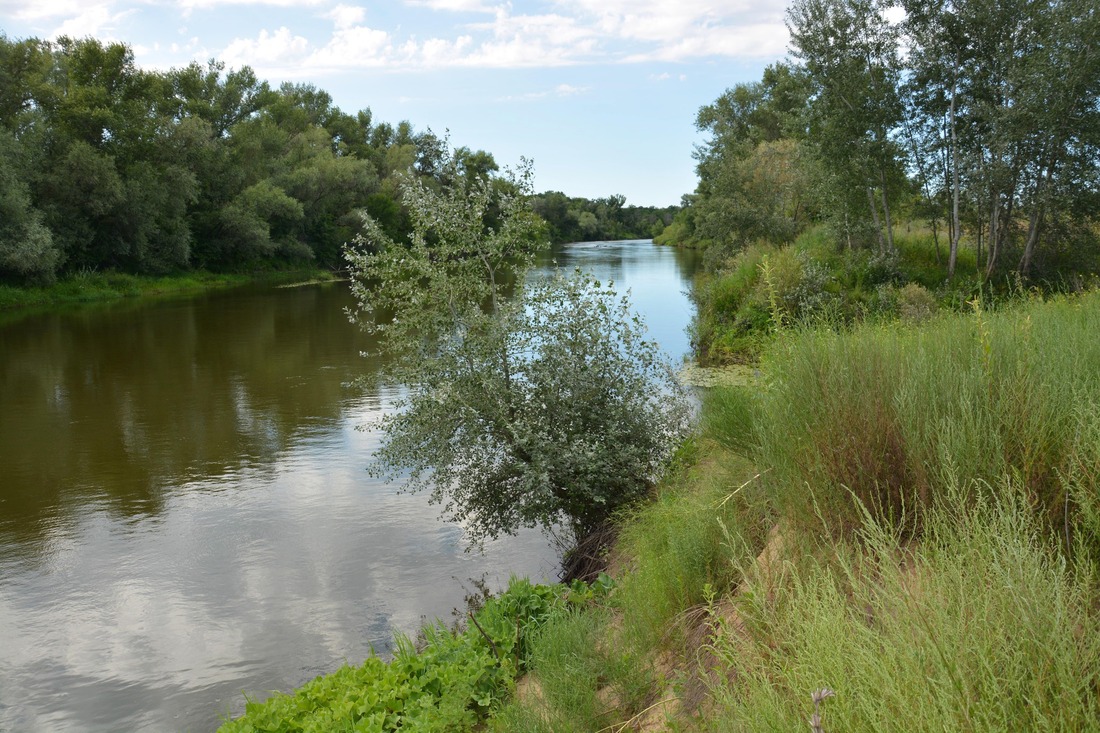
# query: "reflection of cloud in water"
[257,579]
[187,512]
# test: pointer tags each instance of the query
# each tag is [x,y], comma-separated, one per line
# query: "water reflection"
[184,512]
[658,279]
[112,406]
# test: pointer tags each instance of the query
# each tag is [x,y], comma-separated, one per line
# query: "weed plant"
[889,416]
[982,626]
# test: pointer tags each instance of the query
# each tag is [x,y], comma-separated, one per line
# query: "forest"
[105,166]
[979,120]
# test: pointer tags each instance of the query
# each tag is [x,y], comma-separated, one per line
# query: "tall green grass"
[889,416]
[597,670]
[585,680]
[982,626]
[676,546]
[932,495]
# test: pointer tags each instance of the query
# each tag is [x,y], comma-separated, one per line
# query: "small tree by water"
[528,403]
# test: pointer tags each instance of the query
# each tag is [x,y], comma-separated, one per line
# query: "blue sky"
[601,94]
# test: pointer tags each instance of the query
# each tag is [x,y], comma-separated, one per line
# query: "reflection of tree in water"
[113,406]
[688,262]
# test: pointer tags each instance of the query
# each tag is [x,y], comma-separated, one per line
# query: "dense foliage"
[578,219]
[104,165]
[987,127]
[108,166]
[529,403]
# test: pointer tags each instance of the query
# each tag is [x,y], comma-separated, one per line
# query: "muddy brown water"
[184,510]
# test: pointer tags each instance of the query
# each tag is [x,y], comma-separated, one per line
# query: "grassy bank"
[895,528]
[103,286]
[901,524]
[745,296]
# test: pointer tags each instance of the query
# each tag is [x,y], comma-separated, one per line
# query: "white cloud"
[753,41]
[681,29]
[466,6]
[353,47]
[579,31]
[188,5]
[93,20]
[40,9]
[72,17]
[277,49]
[346,16]
[568,90]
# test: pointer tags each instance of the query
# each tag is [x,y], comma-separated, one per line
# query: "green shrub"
[449,682]
[915,303]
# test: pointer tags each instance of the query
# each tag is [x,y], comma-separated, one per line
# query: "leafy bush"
[529,404]
[447,683]
[757,291]
[915,303]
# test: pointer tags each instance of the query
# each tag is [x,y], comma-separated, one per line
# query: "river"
[184,509]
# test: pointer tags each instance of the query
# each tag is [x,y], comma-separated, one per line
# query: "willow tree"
[528,403]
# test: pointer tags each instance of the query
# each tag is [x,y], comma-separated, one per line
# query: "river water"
[184,510]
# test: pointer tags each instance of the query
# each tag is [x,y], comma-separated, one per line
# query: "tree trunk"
[978,246]
[994,234]
[936,238]
[878,223]
[1035,220]
[891,250]
[956,228]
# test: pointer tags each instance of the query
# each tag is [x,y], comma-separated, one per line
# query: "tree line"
[978,117]
[579,219]
[105,165]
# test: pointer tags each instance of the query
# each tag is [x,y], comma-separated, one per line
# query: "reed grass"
[888,416]
[930,501]
[982,626]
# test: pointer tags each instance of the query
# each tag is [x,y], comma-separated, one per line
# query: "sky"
[600,94]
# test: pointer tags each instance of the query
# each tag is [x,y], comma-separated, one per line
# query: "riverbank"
[744,296]
[900,531]
[90,287]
